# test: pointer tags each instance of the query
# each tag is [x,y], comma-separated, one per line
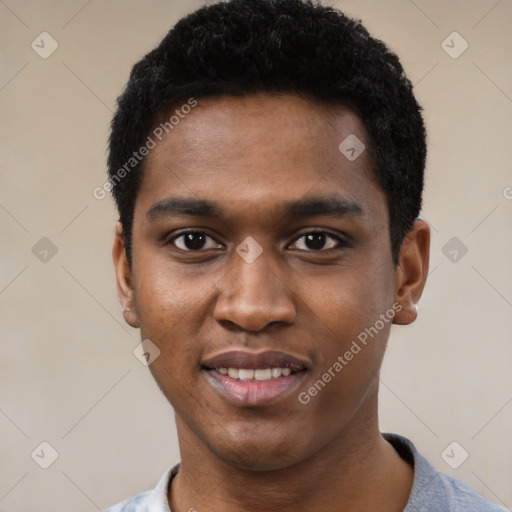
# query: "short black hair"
[241,47]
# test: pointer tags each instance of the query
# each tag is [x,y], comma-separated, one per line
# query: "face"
[261,254]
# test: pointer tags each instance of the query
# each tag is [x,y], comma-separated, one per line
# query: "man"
[267,162]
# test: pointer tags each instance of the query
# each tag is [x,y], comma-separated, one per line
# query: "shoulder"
[433,491]
[462,498]
[137,503]
[149,501]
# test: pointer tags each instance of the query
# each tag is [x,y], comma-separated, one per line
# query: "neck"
[358,470]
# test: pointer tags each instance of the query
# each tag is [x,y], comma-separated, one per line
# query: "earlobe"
[124,278]
[412,271]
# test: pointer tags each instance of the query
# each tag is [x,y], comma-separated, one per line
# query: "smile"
[248,379]
[261,374]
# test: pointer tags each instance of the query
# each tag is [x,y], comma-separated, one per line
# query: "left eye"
[317,241]
[194,241]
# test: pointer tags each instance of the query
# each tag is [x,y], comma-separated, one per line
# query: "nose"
[254,295]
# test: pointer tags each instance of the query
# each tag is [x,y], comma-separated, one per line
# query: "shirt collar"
[423,472]
[157,501]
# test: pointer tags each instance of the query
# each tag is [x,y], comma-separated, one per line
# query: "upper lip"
[255,360]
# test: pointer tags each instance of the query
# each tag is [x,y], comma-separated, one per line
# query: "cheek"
[346,379]
[172,308]
[167,299]
[352,323]
[347,300]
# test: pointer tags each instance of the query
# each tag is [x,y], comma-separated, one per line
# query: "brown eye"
[317,241]
[194,241]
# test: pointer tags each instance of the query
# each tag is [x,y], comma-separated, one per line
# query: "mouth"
[260,374]
[254,379]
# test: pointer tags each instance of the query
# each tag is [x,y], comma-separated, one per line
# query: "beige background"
[67,372]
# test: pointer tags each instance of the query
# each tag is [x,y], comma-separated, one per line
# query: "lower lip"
[254,393]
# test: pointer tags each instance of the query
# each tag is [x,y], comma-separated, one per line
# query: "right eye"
[193,241]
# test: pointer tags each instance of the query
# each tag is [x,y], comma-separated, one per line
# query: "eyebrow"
[181,206]
[331,206]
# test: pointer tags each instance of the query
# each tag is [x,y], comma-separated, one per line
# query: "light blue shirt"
[432,491]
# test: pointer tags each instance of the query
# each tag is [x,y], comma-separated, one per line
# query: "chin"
[259,452]
[259,460]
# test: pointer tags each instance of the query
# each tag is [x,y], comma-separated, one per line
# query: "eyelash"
[341,243]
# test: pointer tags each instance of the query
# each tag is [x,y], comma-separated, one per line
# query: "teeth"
[265,374]
[245,374]
[260,374]
[276,372]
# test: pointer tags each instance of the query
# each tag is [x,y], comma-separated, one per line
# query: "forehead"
[259,151]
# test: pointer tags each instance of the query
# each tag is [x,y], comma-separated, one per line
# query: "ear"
[412,271]
[124,278]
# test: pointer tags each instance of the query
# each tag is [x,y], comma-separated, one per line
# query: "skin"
[250,156]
